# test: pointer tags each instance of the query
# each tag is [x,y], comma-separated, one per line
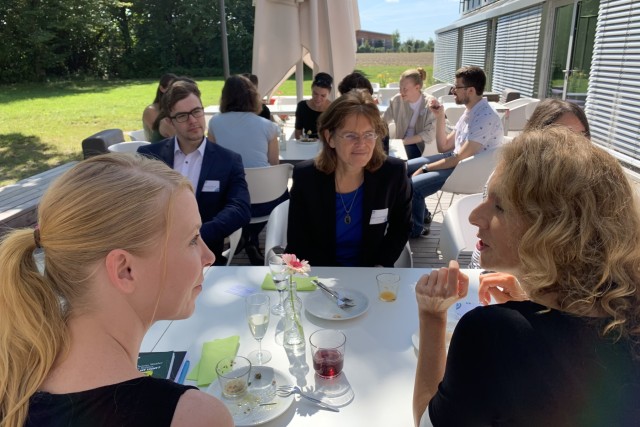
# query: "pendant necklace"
[347,217]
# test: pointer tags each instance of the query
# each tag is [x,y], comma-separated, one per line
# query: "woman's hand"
[438,291]
[502,287]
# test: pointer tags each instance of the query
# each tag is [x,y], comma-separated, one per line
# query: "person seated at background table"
[502,286]
[351,205]
[216,173]
[239,128]
[115,263]
[357,80]
[478,129]
[308,111]
[151,112]
[409,110]
[264,112]
[561,216]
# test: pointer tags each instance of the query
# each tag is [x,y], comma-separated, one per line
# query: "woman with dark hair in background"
[152,132]
[308,111]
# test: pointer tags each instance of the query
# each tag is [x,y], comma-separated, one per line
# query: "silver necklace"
[347,217]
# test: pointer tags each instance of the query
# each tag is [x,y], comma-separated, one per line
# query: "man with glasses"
[478,129]
[217,174]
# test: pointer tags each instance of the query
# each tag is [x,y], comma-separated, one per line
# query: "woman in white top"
[415,123]
[239,128]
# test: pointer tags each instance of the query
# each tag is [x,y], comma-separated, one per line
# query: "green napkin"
[303,283]
[204,372]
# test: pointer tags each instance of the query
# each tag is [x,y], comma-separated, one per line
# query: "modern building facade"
[373,39]
[585,51]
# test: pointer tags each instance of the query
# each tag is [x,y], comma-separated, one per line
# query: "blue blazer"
[224,211]
[311,230]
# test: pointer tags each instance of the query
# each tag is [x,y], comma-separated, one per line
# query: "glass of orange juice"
[388,286]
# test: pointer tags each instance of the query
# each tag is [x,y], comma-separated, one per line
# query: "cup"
[388,286]
[233,374]
[327,351]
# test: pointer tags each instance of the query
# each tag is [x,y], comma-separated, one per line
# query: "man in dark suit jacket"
[217,174]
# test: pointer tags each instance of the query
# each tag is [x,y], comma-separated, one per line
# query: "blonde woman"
[409,110]
[122,249]
[561,216]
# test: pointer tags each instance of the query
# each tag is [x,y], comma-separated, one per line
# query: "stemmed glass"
[257,306]
[280,278]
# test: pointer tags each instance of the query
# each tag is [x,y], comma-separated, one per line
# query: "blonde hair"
[582,226]
[103,203]
[417,76]
[354,102]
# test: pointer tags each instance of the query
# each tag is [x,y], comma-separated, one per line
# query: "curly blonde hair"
[582,223]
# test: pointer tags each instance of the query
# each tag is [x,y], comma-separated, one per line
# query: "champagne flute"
[280,278]
[257,306]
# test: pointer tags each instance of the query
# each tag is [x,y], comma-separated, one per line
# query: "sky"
[418,19]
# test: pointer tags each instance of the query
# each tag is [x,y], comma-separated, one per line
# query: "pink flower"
[295,265]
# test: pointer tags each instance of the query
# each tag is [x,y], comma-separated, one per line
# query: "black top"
[265,113]
[307,119]
[144,401]
[520,364]
[386,214]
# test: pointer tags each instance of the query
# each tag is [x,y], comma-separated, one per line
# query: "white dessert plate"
[323,306]
[247,411]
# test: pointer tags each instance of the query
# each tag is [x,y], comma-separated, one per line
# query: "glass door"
[574,29]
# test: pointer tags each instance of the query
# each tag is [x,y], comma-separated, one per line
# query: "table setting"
[354,365]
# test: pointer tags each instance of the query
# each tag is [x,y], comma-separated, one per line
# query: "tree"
[395,40]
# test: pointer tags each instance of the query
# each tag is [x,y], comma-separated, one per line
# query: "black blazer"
[224,211]
[311,232]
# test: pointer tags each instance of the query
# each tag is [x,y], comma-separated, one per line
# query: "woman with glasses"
[308,111]
[239,128]
[410,111]
[351,205]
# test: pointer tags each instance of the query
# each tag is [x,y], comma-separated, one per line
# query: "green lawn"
[44,124]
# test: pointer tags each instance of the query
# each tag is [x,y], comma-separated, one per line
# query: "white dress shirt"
[190,164]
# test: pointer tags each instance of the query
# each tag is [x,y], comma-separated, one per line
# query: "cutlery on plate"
[288,390]
[331,291]
[341,302]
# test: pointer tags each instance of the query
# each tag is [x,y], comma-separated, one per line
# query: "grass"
[43,124]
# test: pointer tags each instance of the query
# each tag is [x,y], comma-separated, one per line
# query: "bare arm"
[273,151]
[435,293]
[469,148]
[444,142]
[502,287]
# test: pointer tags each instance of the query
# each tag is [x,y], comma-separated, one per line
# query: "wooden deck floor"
[425,249]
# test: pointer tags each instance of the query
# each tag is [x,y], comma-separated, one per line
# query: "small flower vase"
[293,331]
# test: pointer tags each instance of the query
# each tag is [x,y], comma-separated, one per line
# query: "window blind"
[446,56]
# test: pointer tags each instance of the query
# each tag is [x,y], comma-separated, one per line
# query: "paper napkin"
[204,372]
[303,283]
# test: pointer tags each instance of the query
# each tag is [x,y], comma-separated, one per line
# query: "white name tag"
[379,216]
[211,186]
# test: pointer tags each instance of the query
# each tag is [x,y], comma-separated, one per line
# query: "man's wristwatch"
[425,168]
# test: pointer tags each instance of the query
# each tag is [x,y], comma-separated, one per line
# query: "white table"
[380,360]
[297,150]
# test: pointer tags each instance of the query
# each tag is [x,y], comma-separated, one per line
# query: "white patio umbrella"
[322,33]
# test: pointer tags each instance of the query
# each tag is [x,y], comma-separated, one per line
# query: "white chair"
[267,184]
[458,237]
[438,90]
[469,176]
[376,87]
[137,135]
[453,113]
[446,98]
[385,94]
[276,236]
[394,85]
[233,238]
[518,112]
[126,147]
[434,87]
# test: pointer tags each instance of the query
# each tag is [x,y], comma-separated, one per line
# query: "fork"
[342,301]
[288,390]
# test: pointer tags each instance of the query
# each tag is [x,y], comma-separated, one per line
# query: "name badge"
[379,216]
[211,186]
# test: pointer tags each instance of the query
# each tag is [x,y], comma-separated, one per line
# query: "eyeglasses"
[183,117]
[460,87]
[352,137]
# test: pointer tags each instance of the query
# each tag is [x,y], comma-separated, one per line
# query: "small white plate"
[323,306]
[247,411]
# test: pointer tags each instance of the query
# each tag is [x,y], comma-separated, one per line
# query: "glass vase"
[293,338]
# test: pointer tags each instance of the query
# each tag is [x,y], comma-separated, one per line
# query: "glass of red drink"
[327,350]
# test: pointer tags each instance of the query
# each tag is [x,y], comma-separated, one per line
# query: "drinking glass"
[327,351]
[257,306]
[280,278]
